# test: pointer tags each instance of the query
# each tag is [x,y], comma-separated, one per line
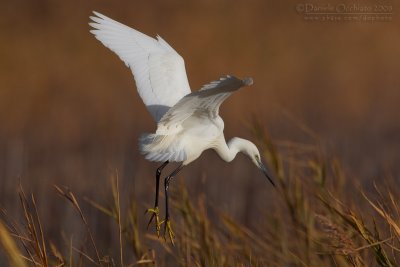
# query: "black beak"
[265,171]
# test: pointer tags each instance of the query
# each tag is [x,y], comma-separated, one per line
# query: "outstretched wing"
[205,102]
[159,71]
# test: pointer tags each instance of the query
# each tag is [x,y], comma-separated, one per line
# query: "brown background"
[70,114]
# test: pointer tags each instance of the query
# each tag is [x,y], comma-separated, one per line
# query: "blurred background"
[70,114]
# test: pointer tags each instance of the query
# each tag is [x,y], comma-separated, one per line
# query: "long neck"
[228,151]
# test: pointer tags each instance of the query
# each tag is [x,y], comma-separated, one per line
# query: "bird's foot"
[168,228]
[155,215]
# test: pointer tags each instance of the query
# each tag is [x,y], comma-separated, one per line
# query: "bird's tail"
[157,147]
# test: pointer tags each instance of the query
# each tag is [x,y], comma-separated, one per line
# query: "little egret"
[187,122]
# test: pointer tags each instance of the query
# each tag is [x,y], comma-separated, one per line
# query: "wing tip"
[97,14]
[96,20]
[247,81]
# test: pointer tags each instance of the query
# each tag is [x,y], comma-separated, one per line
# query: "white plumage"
[192,125]
[158,69]
[187,123]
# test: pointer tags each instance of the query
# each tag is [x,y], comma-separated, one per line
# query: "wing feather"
[205,102]
[159,71]
[168,143]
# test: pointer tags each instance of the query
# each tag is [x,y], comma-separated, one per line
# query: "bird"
[188,123]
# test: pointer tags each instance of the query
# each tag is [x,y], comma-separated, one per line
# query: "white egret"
[187,122]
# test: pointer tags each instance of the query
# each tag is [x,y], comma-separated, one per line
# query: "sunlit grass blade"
[11,249]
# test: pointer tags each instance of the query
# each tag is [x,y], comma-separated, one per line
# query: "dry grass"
[69,115]
[317,221]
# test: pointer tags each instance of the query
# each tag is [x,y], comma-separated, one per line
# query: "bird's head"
[250,149]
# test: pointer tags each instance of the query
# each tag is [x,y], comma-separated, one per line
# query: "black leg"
[167,226]
[158,174]
[154,211]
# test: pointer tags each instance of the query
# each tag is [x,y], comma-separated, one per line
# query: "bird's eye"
[257,157]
